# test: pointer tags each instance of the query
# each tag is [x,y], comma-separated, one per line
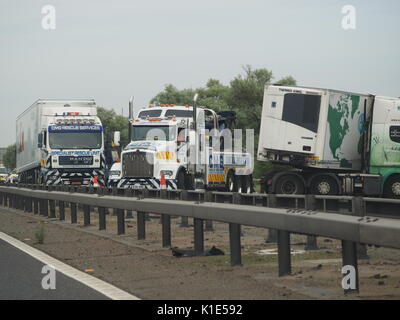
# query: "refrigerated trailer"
[336,142]
[60,142]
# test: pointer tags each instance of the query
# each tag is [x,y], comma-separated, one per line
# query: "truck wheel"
[180,184]
[324,185]
[246,184]
[231,183]
[189,182]
[289,184]
[392,188]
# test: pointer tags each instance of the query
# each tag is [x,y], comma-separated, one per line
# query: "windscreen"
[162,133]
[149,113]
[302,110]
[76,137]
[179,113]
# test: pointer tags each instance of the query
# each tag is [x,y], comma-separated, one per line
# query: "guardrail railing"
[351,225]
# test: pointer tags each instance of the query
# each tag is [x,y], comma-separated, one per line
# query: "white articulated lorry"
[60,142]
[339,142]
[164,147]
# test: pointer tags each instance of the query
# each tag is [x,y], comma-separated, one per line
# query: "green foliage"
[113,122]
[9,157]
[40,234]
[244,95]
[287,81]
[171,95]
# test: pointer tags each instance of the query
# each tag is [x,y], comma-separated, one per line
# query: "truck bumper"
[146,183]
[55,177]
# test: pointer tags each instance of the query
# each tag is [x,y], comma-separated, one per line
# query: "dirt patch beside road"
[150,272]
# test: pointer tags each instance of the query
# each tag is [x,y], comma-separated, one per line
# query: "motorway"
[21,279]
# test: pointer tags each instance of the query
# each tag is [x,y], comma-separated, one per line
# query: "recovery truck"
[60,142]
[179,147]
[336,142]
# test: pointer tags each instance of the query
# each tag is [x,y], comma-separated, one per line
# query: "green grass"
[40,234]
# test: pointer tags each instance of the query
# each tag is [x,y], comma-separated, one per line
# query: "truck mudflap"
[146,183]
[55,177]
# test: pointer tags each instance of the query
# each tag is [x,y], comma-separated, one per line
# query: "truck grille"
[137,164]
[66,160]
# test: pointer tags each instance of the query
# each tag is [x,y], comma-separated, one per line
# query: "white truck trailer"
[339,142]
[60,142]
[165,148]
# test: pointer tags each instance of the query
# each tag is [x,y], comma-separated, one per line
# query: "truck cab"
[60,142]
[165,151]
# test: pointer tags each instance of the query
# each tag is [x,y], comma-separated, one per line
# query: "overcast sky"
[109,50]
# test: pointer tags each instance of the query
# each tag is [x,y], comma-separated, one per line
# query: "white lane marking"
[101,286]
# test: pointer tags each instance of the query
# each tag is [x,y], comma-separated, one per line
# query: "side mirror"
[40,140]
[117,139]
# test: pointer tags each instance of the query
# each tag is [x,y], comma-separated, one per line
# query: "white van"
[115,174]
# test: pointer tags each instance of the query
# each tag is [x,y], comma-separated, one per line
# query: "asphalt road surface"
[21,279]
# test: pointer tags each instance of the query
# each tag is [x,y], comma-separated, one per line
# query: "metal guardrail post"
[102,218]
[74,218]
[358,209]
[208,197]
[86,215]
[310,204]
[102,210]
[61,207]
[185,220]
[13,202]
[198,236]
[45,207]
[349,258]
[235,236]
[52,205]
[284,257]
[272,233]
[120,221]
[235,244]
[129,193]
[35,206]
[166,230]
[24,204]
[141,225]
[29,203]
[165,224]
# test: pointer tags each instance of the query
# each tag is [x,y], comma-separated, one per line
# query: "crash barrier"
[352,227]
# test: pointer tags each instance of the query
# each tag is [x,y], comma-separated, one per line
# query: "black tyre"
[324,185]
[180,180]
[231,183]
[246,184]
[189,182]
[289,184]
[392,188]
